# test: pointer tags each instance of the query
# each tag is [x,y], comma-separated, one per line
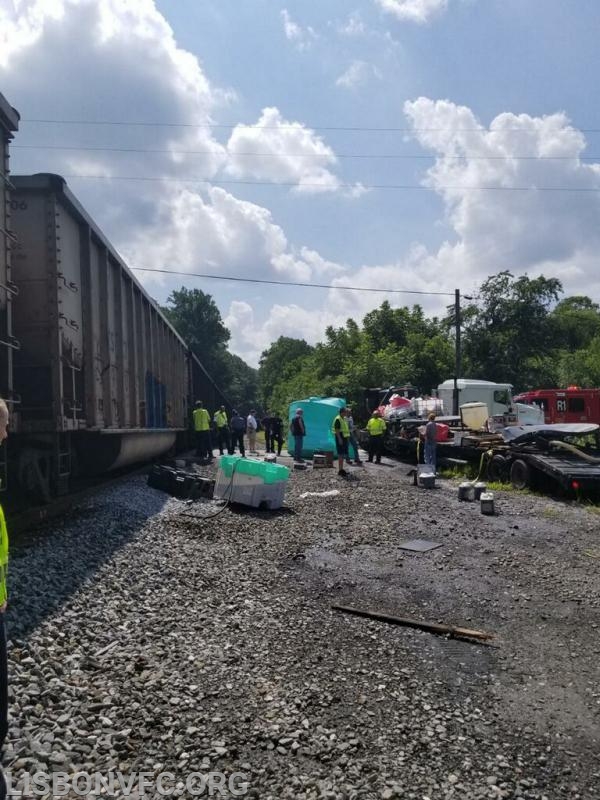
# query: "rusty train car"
[9,123]
[97,376]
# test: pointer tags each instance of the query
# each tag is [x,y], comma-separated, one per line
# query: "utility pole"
[457,352]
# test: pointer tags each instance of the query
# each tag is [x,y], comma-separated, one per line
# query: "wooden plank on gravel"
[433,627]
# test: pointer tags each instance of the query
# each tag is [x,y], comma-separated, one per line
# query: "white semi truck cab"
[497,396]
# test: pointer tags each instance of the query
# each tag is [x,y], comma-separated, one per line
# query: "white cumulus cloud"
[275,149]
[419,11]
[517,193]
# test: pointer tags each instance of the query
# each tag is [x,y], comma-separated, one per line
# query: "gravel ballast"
[143,639]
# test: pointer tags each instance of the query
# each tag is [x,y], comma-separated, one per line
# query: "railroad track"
[26,521]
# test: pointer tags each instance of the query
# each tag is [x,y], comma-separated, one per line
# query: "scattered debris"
[418,545]
[434,627]
[330,493]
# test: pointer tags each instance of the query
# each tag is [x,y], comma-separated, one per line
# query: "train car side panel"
[35,309]
[66,263]
[9,123]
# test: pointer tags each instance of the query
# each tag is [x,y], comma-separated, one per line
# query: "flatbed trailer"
[554,458]
[552,470]
[537,457]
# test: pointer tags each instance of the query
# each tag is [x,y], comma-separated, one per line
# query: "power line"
[230,125]
[350,186]
[407,156]
[288,283]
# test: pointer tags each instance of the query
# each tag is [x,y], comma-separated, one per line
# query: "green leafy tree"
[507,333]
[197,318]
[279,363]
[393,346]
[576,322]
[242,386]
[302,382]
[386,325]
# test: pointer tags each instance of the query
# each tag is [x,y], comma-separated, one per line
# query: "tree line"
[517,330]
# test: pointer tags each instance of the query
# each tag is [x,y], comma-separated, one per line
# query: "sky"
[409,146]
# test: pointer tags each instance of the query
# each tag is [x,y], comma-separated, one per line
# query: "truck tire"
[497,469]
[520,474]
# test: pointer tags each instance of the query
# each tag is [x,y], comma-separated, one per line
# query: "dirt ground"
[530,575]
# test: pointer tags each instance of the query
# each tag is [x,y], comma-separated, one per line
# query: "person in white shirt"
[352,441]
[251,426]
[431,442]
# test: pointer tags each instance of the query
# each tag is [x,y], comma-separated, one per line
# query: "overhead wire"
[238,279]
[294,126]
[236,154]
[324,156]
[324,186]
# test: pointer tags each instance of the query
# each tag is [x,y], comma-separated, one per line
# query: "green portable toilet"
[318,413]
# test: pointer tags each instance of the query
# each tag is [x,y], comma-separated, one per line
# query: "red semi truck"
[565,405]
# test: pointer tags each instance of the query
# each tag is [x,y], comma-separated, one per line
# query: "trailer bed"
[566,469]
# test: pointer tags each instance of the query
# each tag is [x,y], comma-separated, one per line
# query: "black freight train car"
[9,123]
[103,376]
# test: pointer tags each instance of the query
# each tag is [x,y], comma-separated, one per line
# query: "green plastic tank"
[267,472]
[318,413]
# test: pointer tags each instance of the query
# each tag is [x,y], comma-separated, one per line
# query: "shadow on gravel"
[51,564]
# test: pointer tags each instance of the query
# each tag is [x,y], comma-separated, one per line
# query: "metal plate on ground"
[418,545]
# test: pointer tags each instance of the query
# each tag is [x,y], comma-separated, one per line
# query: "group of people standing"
[229,433]
[344,434]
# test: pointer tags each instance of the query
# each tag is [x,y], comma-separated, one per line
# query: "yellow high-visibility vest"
[344,427]
[201,419]
[376,426]
[220,419]
[3,558]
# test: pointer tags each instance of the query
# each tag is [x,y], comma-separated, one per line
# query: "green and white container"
[251,482]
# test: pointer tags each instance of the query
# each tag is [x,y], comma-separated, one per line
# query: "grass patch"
[451,472]
[551,512]
[466,472]
[498,486]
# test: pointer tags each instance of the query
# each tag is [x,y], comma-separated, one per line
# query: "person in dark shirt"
[276,433]
[298,431]
[238,429]
[266,422]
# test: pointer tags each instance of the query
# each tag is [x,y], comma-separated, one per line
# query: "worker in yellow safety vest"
[376,427]
[3,598]
[222,426]
[341,434]
[202,431]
